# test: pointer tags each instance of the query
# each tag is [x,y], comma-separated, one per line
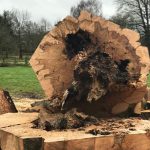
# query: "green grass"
[20,81]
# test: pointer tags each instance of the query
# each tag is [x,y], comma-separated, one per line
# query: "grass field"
[20,81]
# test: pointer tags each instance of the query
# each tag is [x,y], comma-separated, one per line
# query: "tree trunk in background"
[20,53]
[20,45]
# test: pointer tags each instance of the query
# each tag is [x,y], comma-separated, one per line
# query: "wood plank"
[22,136]
[104,143]
[136,142]
[81,144]
[54,144]
[11,119]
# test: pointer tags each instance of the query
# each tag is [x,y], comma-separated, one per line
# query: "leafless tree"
[20,19]
[140,10]
[19,35]
[46,26]
[124,20]
[92,6]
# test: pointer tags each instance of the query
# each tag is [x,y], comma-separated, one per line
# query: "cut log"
[6,103]
[100,65]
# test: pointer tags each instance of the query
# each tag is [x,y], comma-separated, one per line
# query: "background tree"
[92,6]
[20,20]
[140,11]
[46,26]
[19,35]
[7,42]
[125,20]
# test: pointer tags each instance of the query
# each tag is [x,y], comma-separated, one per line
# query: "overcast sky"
[52,10]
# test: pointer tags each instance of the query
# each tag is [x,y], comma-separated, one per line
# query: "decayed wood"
[94,60]
[6,103]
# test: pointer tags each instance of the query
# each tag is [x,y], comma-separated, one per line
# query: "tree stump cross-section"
[100,66]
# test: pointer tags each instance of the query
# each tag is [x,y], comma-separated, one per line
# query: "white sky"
[52,10]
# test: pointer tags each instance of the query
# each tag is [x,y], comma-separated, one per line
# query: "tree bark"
[6,103]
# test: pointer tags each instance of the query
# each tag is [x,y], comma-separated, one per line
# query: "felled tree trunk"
[92,64]
[6,103]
